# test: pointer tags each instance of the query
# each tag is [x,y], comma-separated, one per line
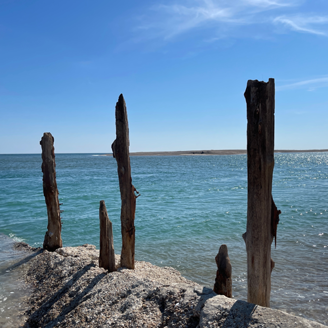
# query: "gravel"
[70,290]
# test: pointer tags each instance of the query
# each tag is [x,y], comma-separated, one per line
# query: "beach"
[69,289]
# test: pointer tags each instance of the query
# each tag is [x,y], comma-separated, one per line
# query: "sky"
[181,65]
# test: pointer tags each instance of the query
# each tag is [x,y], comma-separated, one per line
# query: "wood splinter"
[274,221]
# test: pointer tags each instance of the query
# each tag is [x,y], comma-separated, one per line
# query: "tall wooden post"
[120,148]
[260,100]
[106,253]
[52,239]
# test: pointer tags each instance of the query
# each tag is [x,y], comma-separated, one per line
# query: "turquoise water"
[189,206]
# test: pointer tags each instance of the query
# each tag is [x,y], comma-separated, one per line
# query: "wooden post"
[120,148]
[52,239]
[223,283]
[106,253]
[260,162]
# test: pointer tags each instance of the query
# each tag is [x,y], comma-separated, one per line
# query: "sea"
[188,207]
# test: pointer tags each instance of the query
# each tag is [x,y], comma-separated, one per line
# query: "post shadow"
[243,310]
[37,316]
[80,298]
[21,262]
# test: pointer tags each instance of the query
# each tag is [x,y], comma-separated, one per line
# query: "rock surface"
[70,290]
[221,311]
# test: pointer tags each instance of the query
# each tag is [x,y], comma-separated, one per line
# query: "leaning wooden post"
[52,239]
[260,100]
[120,148]
[106,253]
[223,283]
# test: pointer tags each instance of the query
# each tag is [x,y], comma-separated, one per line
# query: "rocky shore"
[70,290]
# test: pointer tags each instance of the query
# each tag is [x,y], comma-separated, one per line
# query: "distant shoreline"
[214,152]
[185,152]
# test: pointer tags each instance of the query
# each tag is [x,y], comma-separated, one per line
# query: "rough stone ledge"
[220,311]
[70,290]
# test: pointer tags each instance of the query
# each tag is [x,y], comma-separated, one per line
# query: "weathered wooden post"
[223,283]
[260,99]
[120,148]
[106,253]
[52,239]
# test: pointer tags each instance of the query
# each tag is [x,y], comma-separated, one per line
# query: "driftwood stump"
[120,148]
[223,282]
[106,253]
[260,100]
[52,239]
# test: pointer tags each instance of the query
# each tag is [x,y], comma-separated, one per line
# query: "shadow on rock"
[35,319]
[240,315]
[80,298]
[21,262]
[225,312]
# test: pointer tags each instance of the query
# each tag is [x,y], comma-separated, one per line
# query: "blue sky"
[182,66]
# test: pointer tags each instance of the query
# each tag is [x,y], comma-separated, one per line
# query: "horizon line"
[196,151]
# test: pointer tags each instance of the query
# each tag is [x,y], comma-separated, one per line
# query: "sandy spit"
[215,152]
[69,289]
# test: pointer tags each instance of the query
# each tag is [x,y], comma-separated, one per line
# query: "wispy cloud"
[306,24]
[311,84]
[175,17]
[181,16]
[269,3]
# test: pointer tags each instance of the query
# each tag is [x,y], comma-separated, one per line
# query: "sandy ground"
[69,289]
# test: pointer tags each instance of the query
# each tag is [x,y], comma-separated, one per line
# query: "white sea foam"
[12,286]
